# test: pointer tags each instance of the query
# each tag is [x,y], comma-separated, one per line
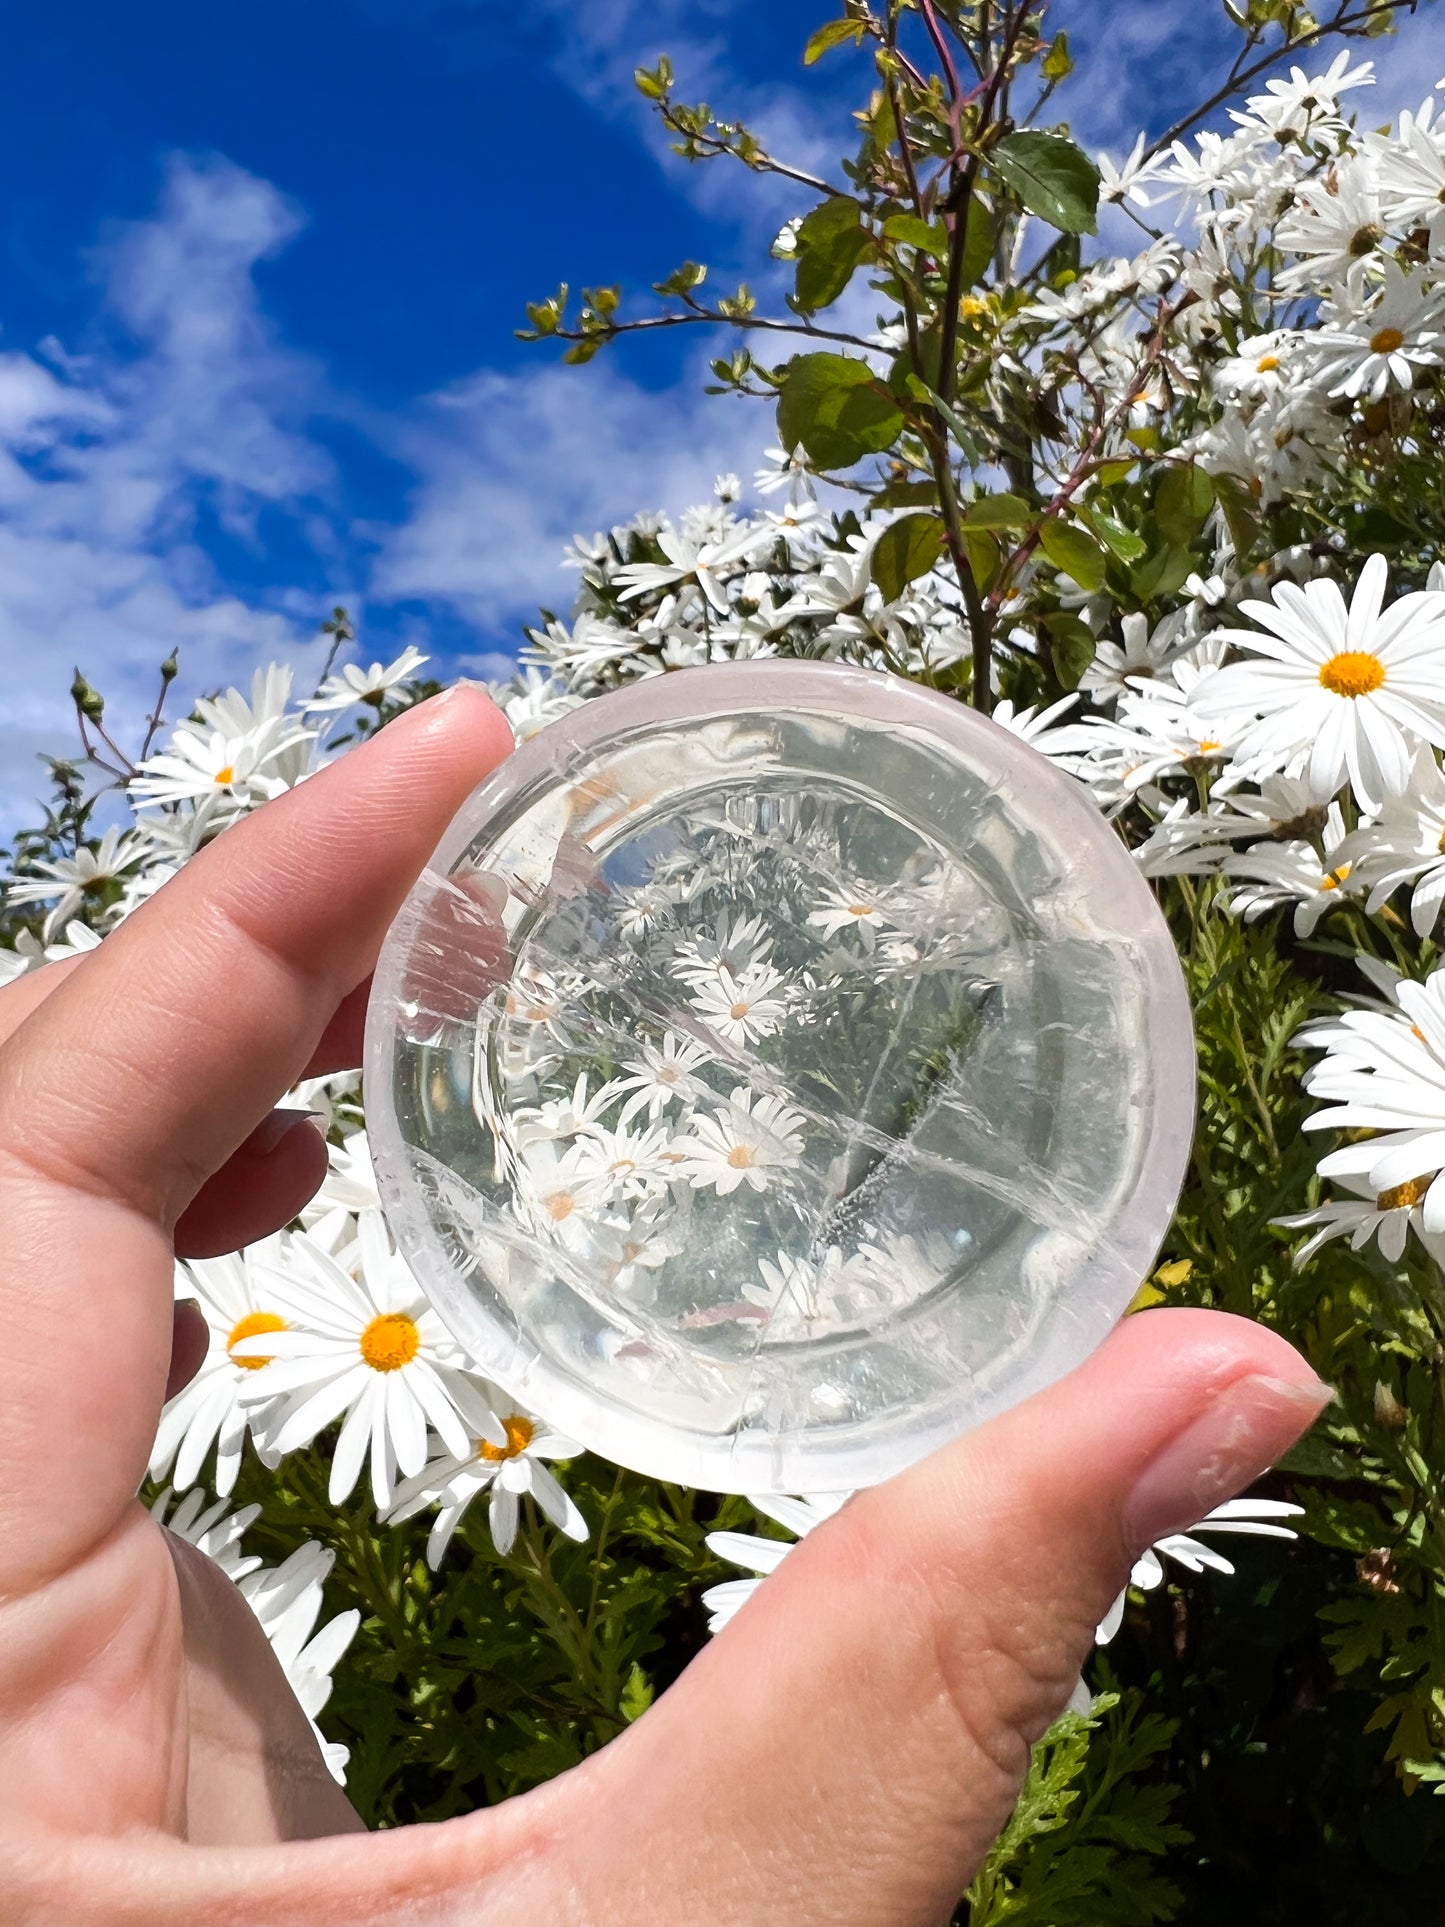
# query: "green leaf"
[1072,645]
[1118,539]
[907,549]
[636,1694]
[1241,514]
[838,409]
[831,34]
[1053,178]
[906,495]
[830,243]
[682,280]
[1058,62]
[1073,550]
[1161,573]
[930,236]
[979,234]
[654,83]
[985,557]
[1182,504]
[998,512]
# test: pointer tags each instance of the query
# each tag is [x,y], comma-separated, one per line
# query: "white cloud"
[187,406]
[513,465]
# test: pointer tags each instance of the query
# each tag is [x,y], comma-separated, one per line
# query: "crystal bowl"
[777,1070]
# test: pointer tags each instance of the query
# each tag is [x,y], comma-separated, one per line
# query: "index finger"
[140,1074]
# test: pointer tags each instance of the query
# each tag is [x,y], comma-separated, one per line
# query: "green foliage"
[1051,177]
[1073,550]
[907,549]
[831,242]
[837,409]
[1090,1827]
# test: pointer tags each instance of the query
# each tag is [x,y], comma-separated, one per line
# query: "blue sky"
[259,272]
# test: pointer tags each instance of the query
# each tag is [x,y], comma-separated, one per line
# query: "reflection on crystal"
[800,1079]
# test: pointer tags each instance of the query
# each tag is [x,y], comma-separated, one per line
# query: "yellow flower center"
[1364,239]
[740,1157]
[225,776]
[1440,846]
[1335,878]
[1353,672]
[739,1011]
[519,1436]
[1385,341]
[1401,1197]
[860,909]
[1266,363]
[560,1205]
[250,1326]
[1209,746]
[390,1341]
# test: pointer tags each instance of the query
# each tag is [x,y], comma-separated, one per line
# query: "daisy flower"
[745,1141]
[849,909]
[1405,844]
[1277,873]
[203,764]
[1386,1075]
[1143,654]
[705,564]
[352,685]
[1387,1216]
[371,1353]
[631,1252]
[79,879]
[244,1295]
[662,1072]
[287,1601]
[800,1515]
[1333,226]
[212,1529]
[348,1189]
[731,949]
[1383,348]
[1339,691]
[1257,1517]
[742,1009]
[627,1163]
[1410,162]
[557,1193]
[1292,107]
[505,1470]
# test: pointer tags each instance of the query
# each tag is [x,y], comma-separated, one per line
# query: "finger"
[338,1049]
[260,1187]
[857,1736]
[339,1046]
[860,1732]
[27,993]
[190,1341]
[139,1075]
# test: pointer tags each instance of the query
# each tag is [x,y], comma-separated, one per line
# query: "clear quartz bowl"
[777,1070]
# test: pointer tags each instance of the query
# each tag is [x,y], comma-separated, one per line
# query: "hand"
[842,1754]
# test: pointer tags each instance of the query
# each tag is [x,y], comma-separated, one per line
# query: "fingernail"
[270,1132]
[1246,1427]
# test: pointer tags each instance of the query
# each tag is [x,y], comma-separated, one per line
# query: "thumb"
[847,1749]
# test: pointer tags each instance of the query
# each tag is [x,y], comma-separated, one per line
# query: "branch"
[716,319]
[761,163]
[1344,22]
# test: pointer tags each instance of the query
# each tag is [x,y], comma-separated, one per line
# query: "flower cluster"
[1260,713]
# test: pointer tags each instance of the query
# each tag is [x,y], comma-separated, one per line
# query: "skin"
[842,1754]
